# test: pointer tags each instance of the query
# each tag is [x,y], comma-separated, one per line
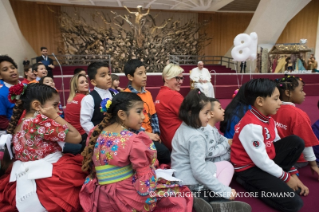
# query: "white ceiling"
[186,5]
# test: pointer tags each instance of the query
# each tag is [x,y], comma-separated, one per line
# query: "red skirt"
[57,193]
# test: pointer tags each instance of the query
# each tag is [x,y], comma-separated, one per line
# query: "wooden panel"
[38,24]
[303,25]
[223,28]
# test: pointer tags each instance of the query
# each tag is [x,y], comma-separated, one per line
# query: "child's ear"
[93,82]
[260,101]
[35,105]
[122,115]
[130,77]
[287,93]
[211,113]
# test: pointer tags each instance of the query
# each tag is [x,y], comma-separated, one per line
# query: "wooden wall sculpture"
[133,35]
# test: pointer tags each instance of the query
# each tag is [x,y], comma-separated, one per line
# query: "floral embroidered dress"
[137,189]
[37,139]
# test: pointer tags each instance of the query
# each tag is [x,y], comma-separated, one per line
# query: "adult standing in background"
[48,62]
[201,78]
[168,102]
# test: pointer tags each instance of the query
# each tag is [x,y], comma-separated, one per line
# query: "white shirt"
[45,57]
[197,74]
[87,108]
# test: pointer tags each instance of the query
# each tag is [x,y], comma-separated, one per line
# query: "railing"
[207,60]
[79,60]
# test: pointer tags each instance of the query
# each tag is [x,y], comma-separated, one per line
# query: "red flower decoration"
[15,92]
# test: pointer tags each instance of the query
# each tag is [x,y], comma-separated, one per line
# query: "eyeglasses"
[179,78]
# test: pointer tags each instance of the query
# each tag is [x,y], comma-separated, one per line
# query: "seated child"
[291,120]
[218,146]
[190,154]
[263,162]
[100,78]
[115,84]
[28,75]
[9,76]
[136,74]
[40,179]
[122,164]
[40,71]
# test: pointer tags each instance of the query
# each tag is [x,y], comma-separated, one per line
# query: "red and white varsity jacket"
[253,144]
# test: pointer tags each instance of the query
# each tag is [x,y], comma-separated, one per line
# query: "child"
[9,77]
[41,179]
[190,154]
[115,84]
[218,146]
[122,164]
[28,75]
[291,120]
[263,162]
[234,112]
[100,78]
[136,74]
[315,128]
[79,70]
[40,71]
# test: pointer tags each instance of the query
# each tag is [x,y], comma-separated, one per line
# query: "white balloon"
[253,45]
[245,47]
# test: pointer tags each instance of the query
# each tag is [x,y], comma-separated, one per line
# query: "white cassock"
[207,88]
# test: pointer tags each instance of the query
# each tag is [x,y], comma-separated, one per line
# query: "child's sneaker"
[201,205]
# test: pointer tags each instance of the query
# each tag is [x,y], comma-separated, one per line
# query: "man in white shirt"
[201,78]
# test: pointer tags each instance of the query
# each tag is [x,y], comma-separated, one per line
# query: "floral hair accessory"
[105,104]
[235,93]
[300,79]
[15,92]
[198,92]
[283,78]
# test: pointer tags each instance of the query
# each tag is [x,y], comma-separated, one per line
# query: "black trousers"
[268,186]
[163,153]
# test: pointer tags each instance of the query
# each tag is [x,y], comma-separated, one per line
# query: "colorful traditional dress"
[36,149]
[125,177]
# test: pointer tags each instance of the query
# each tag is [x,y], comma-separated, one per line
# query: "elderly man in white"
[201,78]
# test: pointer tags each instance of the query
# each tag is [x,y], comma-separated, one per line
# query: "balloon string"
[236,74]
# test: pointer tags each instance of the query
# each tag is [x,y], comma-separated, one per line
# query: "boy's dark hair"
[42,79]
[258,87]
[122,101]
[7,59]
[26,69]
[93,67]
[44,48]
[131,66]
[235,110]
[193,103]
[212,101]
[115,77]
[36,66]
[287,83]
[78,70]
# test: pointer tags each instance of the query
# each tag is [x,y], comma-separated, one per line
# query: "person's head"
[78,84]
[115,80]
[79,70]
[44,51]
[263,95]
[28,73]
[313,59]
[291,89]
[135,72]
[200,65]
[47,80]
[126,110]
[173,76]
[39,70]
[235,110]
[217,112]
[195,109]
[99,75]
[8,70]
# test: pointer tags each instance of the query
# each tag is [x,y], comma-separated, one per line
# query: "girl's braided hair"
[287,83]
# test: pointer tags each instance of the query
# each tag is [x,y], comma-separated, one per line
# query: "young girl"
[122,164]
[28,75]
[190,154]
[234,112]
[293,121]
[115,84]
[41,179]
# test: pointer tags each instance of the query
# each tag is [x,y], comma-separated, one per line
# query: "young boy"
[40,71]
[218,146]
[100,78]
[263,162]
[135,72]
[28,75]
[9,76]
[115,84]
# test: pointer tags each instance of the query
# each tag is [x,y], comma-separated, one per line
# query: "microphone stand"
[62,78]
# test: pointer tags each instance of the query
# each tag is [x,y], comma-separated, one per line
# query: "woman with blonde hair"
[168,101]
[79,88]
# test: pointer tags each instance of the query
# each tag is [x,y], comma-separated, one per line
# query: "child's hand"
[293,183]
[233,194]
[230,142]
[50,112]
[153,137]
[304,189]
[120,89]
[314,168]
